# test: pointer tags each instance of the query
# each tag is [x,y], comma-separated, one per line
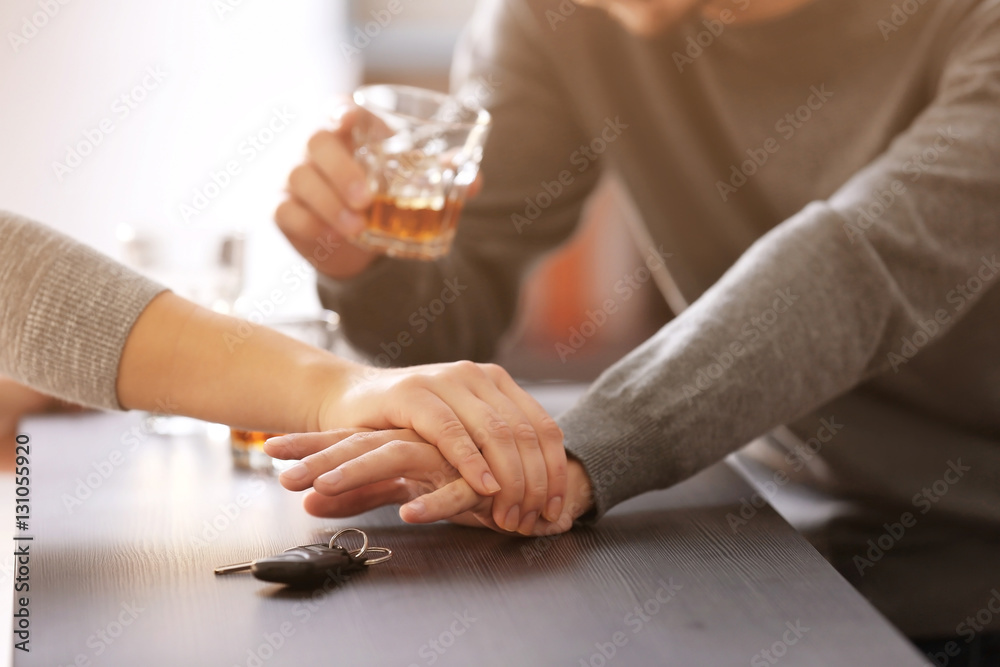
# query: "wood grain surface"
[664,574]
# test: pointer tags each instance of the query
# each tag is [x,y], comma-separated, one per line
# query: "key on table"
[309,566]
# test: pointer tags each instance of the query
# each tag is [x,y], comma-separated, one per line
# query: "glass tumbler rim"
[363,100]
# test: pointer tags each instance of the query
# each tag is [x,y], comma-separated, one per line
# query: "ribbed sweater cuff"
[81,307]
[613,444]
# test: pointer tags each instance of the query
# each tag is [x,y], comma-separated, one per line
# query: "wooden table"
[127,527]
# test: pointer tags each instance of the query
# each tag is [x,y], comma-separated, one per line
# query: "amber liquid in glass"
[248,448]
[411,225]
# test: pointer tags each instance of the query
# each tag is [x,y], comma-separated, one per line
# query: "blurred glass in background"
[204,266]
[248,446]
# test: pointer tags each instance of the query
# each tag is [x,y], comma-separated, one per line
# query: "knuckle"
[455,492]
[497,429]
[397,447]
[548,429]
[318,462]
[298,178]
[455,429]
[341,434]
[282,214]
[347,117]
[412,382]
[526,436]
[466,368]
[514,487]
[494,371]
[467,455]
[557,472]
[317,142]
[367,438]
[537,491]
[438,478]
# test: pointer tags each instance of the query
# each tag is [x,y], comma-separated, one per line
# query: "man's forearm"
[403,313]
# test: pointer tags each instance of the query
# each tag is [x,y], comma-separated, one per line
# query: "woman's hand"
[218,368]
[352,471]
[479,419]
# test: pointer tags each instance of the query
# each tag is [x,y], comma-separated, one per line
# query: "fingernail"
[331,478]
[554,508]
[296,473]
[416,507]
[357,194]
[351,224]
[513,514]
[528,522]
[490,482]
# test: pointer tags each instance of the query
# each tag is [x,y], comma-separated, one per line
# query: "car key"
[309,566]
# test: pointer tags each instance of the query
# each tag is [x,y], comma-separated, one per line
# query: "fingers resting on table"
[355,470]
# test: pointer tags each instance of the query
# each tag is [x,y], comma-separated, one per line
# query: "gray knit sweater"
[65,312]
[826,191]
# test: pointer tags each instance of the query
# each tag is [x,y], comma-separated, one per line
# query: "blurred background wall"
[129,112]
[222,70]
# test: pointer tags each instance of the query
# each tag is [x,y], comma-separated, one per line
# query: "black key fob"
[308,566]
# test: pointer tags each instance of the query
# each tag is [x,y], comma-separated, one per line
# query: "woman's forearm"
[183,359]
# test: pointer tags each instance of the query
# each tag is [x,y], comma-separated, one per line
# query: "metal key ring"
[380,559]
[364,545]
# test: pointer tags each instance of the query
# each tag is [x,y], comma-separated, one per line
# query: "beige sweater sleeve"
[65,312]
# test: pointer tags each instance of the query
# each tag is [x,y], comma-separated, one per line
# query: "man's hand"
[354,471]
[327,197]
[482,422]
